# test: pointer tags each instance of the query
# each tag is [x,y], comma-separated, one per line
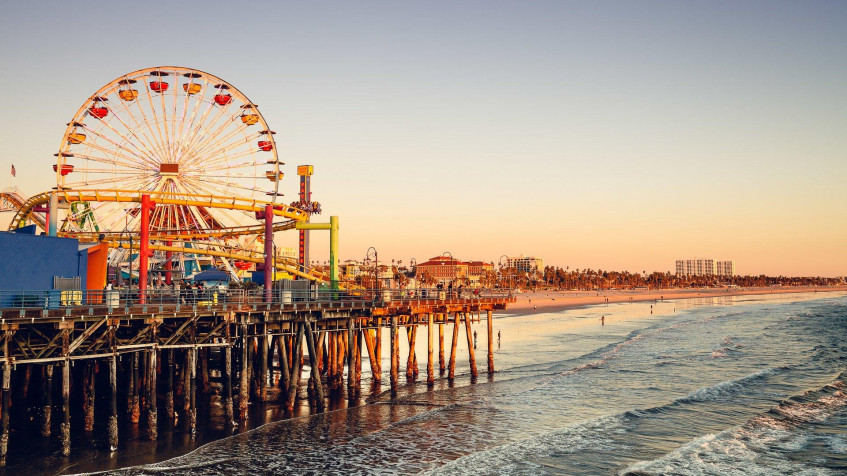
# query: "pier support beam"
[88,389]
[134,401]
[471,356]
[4,419]
[441,362]
[46,400]
[369,345]
[192,391]
[412,361]
[65,427]
[430,371]
[284,367]
[351,361]
[113,401]
[226,383]
[262,378]
[294,384]
[451,372]
[152,408]
[169,388]
[243,387]
[320,404]
[490,342]
[394,353]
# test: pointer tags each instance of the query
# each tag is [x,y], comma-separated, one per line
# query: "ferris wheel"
[167,130]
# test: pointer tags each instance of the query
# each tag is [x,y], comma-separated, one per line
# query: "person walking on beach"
[498,339]
[474,339]
[603,320]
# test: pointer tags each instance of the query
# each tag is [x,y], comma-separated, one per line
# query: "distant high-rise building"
[704,267]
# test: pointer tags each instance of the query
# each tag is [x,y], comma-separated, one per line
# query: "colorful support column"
[144,247]
[269,252]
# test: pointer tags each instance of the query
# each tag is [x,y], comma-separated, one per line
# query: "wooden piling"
[294,384]
[351,361]
[152,410]
[113,402]
[262,378]
[192,412]
[430,371]
[394,352]
[441,361]
[169,388]
[65,427]
[284,370]
[471,356]
[451,373]
[243,390]
[46,400]
[412,361]
[490,342]
[88,389]
[320,404]
[203,368]
[359,339]
[7,399]
[135,403]
[369,345]
[226,383]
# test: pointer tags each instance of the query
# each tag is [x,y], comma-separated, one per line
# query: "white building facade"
[526,264]
[704,267]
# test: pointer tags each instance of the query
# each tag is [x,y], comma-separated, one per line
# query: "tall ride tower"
[305,172]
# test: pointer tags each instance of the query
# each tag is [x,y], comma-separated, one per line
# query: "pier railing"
[128,299]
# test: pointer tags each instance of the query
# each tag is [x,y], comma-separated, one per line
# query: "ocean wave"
[515,456]
[762,445]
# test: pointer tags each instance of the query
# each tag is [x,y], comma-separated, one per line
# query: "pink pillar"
[144,247]
[269,251]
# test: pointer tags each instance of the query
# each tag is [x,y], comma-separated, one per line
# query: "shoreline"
[552,301]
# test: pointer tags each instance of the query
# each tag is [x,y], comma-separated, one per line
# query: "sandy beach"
[547,301]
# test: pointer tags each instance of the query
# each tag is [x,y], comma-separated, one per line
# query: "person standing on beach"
[498,339]
[603,320]
[474,339]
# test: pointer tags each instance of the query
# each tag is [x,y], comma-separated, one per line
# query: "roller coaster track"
[292,214]
[12,200]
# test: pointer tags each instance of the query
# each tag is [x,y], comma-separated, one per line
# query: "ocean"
[735,385]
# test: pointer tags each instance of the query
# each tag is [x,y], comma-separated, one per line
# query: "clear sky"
[612,135]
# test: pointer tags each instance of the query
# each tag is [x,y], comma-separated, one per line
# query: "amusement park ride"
[176,168]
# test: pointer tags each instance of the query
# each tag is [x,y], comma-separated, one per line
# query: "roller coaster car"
[158,86]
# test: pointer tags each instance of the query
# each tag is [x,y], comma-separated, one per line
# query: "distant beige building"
[526,264]
[704,267]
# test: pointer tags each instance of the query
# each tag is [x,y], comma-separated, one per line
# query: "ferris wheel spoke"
[160,125]
[201,144]
[106,160]
[198,132]
[207,190]
[219,153]
[185,129]
[156,134]
[112,141]
[145,141]
[145,154]
[225,186]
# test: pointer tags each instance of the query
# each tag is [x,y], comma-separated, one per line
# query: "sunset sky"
[613,135]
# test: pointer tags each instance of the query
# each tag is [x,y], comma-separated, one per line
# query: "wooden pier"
[151,358]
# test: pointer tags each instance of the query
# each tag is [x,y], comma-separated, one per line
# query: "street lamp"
[372,252]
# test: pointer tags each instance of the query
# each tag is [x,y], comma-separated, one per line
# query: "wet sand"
[551,301]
